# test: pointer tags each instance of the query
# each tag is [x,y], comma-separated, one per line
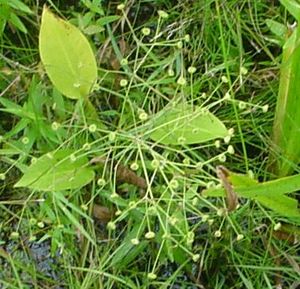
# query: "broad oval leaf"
[59,170]
[182,124]
[67,56]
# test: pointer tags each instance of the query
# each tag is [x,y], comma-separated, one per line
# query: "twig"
[231,196]
[123,173]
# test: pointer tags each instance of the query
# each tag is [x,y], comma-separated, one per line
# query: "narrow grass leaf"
[67,56]
[107,19]
[76,223]
[59,196]
[13,108]
[18,5]
[293,7]
[17,22]
[128,252]
[287,116]
[247,282]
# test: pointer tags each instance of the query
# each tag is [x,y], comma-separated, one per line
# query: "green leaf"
[182,124]
[64,205]
[277,28]
[2,25]
[128,252]
[13,108]
[18,5]
[67,56]
[91,115]
[55,171]
[270,194]
[22,124]
[240,180]
[276,187]
[293,7]
[16,21]
[281,204]
[60,110]
[94,6]
[287,116]
[107,19]
[93,29]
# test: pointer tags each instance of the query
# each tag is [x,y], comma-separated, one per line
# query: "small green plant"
[70,64]
[111,148]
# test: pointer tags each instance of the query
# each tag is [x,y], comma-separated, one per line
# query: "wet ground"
[32,263]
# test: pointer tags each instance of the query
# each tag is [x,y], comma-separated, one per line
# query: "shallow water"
[33,264]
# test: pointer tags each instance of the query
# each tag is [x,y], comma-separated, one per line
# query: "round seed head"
[227,139]
[121,6]
[143,116]
[196,257]
[277,226]
[124,62]
[135,241]
[111,226]
[123,82]
[230,149]
[92,128]
[134,166]
[14,235]
[192,70]
[150,235]
[222,158]
[242,105]
[239,237]
[174,184]
[227,96]
[86,146]
[265,108]
[179,44]
[217,144]
[146,31]
[151,276]
[25,140]
[243,70]
[41,224]
[187,37]
[171,72]
[55,126]
[163,14]
[112,136]
[155,164]
[224,79]
[181,81]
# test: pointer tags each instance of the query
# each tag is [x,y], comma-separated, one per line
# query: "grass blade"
[287,116]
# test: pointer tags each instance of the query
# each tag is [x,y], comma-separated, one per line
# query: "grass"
[167,236]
